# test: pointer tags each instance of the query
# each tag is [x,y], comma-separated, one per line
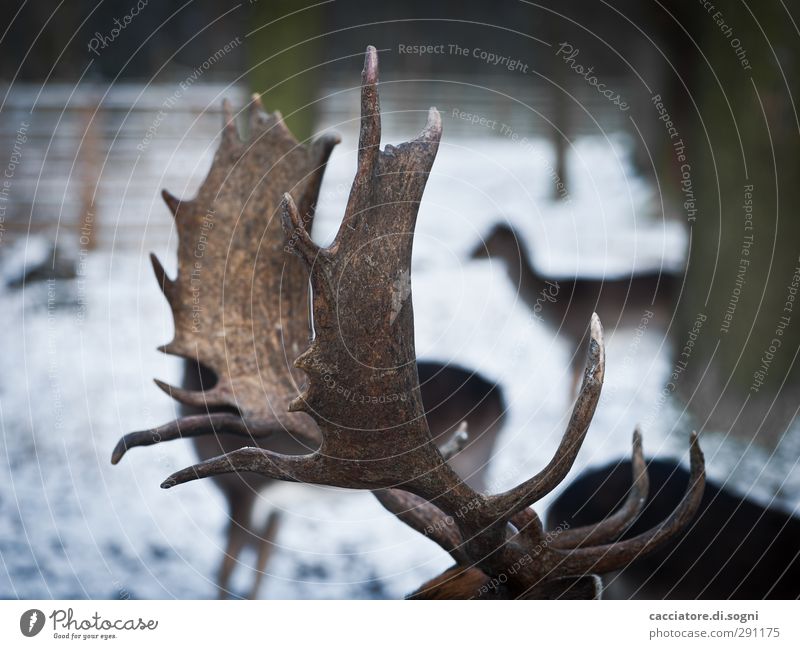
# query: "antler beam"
[363,393]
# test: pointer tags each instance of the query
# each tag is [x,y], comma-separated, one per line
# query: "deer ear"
[583,587]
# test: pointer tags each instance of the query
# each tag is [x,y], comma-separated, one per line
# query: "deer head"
[363,394]
[239,303]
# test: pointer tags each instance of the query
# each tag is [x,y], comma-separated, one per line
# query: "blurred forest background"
[105,103]
[735,112]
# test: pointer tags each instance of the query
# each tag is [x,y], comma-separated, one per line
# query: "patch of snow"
[76,374]
[22,255]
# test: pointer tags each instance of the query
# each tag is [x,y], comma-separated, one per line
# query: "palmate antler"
[363,392]
[239,303]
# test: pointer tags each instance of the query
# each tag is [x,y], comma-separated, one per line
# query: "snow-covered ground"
[79,357]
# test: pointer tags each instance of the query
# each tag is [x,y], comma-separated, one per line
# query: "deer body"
[563,304]
[240,490]
[734,549]
[450,394]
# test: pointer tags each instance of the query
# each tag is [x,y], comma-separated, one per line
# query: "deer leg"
[266,544]
[240,507]
[232,550]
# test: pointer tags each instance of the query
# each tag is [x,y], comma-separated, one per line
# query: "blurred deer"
[563,303]
[239,304]
[380,439]
[734,549]
[454,398]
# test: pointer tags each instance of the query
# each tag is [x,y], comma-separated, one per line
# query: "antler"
[363,392]
[239,304]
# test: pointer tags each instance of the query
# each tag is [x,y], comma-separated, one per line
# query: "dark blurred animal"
[735,548]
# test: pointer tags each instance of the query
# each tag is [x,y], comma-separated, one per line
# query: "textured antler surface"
[363,392]
[239,302]
[363,388]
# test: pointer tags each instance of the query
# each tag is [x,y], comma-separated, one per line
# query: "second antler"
[363,393]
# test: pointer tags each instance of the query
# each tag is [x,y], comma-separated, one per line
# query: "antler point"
[370,75]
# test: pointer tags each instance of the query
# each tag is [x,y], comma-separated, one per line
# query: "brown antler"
[363,392]
[239,303]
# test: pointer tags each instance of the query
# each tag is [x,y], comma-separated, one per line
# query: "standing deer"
[378,438]
[734,549]
[562,303]
[240,305]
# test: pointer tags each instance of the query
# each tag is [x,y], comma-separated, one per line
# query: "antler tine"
[456,443]
[369,144]
[425,518]
[507,504]
[218,423]
[605,558]
[290,468]
[173,202]
[257,114]
[369,138]
[246,179]
[433,127]
[166,284]
[366,443]
[414,157]
[615,525]
[215,397]
[230,134]
[296,233]
[363,388]
[529,525]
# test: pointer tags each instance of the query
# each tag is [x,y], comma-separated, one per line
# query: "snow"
[610,225]
[80,355]
[24,255]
